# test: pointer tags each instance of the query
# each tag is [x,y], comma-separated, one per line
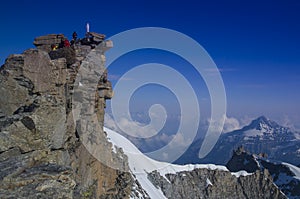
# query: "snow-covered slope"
[294,169]
[140,165]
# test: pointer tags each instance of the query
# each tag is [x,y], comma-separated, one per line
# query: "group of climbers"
[91,38]
[64,43]
[63,48]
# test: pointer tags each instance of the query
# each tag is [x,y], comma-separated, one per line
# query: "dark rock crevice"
[25,82]
[27,108]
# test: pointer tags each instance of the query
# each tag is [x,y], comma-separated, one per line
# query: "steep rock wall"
[41,153]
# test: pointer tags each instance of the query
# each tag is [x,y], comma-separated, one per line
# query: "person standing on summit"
[74,40]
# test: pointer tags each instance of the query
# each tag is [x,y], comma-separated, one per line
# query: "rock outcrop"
[204,183]
[44,42]
[283,174]
[41,153]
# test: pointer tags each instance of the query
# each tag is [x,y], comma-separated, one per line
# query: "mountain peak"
[263,118]
[262,122]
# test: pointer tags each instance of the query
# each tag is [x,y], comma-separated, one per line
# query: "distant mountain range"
[260,136]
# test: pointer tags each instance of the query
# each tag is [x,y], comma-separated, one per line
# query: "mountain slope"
[260,136]
[141,164]
[164,180]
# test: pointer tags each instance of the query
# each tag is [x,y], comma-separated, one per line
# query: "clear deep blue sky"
[256,44]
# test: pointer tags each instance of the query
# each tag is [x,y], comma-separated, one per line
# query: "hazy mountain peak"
[262,135]
[263,122]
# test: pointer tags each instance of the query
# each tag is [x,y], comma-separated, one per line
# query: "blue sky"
[256,44]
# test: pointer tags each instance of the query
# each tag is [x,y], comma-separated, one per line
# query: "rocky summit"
[42,151]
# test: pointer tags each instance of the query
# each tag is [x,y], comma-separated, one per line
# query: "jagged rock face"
[30,136]
[282,175]
[241,160]
[32,93]
[41,155]
[204,183]
[67,53]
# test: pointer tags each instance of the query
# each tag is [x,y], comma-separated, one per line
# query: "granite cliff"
[42,154]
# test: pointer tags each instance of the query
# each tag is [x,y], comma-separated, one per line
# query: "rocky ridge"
[204,183]
[285,176]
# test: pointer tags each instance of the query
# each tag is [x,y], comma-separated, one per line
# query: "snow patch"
[297,136]
[253,133]
[257,163]
[208,182]
[113,147]
[294,169]
[241,173]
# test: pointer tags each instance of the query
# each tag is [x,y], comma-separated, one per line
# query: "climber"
[64,43]
[54,47]
[74,40]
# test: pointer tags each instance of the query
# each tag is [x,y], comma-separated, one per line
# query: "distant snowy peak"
[261,136]
[264,126]
[262,123]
